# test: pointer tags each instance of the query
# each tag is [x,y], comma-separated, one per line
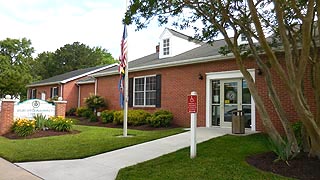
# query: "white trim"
[144,91]
[170,64]
[85,74]
[61,91]
[73,78]
[221,76]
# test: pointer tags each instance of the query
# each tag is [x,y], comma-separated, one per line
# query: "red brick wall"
[178,82]
[6,116]
[70,94]
[85,91]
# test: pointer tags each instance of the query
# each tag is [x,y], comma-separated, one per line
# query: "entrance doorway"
[229,95]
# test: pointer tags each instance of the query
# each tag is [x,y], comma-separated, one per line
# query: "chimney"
[157,48]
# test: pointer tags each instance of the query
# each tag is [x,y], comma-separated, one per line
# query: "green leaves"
[71,57]
[15,66]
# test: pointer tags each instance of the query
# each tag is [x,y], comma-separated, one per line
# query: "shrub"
[137,117]
[84,112]
[93,118]
[60,123]
[41,122]
[95,102]
[24,127]
[107,116]
[118,117]
[161,118]
[71,112]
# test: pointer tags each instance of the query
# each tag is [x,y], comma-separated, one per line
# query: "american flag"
[123,64]
[124,51]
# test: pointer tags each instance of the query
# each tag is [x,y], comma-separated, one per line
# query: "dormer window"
[166,47]
[243,37]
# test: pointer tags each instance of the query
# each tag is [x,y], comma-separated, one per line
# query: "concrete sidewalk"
[9,171]
[106,166]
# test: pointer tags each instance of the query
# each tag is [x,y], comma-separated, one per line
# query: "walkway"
[106,166]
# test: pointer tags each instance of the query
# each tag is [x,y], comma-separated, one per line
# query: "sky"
[50,24]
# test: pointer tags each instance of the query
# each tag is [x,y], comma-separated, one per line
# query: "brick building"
[164,79]
[65,86]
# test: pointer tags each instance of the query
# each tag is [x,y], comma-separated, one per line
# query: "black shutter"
[130,102]
[51,93]
[35,94]
[158,90]
[30,93]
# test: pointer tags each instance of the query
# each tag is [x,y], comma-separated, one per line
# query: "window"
[243,37]
[54,92]
[33,94]
[166,45]
[145,91]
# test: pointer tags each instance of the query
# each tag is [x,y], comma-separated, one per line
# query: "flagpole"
[126,97]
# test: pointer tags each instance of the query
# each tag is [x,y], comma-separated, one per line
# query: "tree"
[15,66]
[294,26]
[71,57]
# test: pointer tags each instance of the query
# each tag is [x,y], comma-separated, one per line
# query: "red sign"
[192,104]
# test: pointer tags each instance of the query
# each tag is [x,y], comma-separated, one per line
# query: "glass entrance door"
[229,96]
[231,100]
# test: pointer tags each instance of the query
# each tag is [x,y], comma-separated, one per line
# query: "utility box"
[238,122]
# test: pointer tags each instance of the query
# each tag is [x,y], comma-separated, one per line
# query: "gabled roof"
[86,80]
[203,53]
[183,36]
[69,76]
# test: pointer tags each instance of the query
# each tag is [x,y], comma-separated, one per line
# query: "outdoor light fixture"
[259,71]
[200,76]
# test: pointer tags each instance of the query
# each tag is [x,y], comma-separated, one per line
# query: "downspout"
[95,86]
[79,94]
[61,91]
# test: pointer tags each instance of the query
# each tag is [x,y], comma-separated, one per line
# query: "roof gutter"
[170,64]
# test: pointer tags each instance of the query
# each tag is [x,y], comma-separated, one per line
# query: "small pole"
[193,146]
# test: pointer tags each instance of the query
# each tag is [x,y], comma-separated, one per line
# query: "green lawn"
[91,141]
[219,158]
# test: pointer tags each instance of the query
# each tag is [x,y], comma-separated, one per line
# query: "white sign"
[30,108]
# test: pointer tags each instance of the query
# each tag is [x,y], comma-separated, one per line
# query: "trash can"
[238,122]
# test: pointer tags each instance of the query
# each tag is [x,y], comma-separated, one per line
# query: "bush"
[24,127]
[95,102]
[71,112]
[60,124]
[118,117]
[107,116]
[161,118]
[137,117]
[297,129]
[41,122]
[93,118]
[84,112]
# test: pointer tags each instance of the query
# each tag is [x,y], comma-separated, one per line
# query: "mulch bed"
[301,167]
[39,134]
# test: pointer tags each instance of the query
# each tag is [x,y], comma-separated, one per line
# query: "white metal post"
[193,146]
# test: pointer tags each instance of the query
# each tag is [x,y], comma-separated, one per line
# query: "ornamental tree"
[288,27]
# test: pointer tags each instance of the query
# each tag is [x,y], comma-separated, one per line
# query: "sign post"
[193,109]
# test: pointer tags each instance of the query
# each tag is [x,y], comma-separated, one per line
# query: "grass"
[91,141]
[219,158]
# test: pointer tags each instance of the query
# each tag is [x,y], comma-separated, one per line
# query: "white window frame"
[53,90]
[144,91]
[166,47]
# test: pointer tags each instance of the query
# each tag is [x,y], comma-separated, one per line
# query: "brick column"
[6,117]
[60,108]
